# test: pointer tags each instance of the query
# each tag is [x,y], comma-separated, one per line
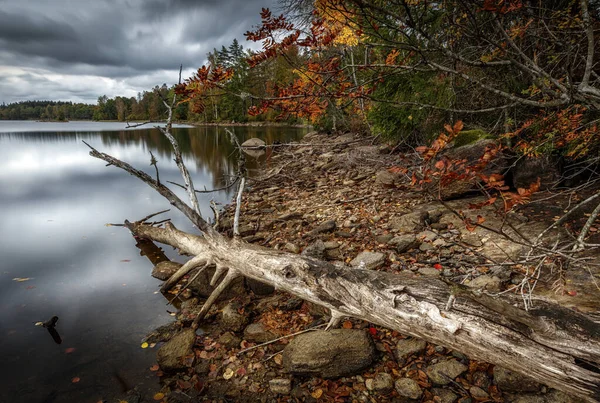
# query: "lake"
[59,258]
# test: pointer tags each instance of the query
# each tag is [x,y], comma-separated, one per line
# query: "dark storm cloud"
[53,47]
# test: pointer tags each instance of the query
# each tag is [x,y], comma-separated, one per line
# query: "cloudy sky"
[78,50]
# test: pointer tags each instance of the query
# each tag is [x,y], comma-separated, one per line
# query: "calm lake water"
[54,203]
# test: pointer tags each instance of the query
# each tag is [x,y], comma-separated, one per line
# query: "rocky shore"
[336,198]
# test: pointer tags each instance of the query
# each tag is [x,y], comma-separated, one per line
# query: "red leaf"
[437,266]
[373,331]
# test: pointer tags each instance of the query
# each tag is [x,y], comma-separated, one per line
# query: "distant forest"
[222,105]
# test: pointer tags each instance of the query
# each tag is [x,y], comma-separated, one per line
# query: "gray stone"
[370,260]
[327,226]
[384,238]
[407,387]
[524,398]
[231,319]
[383,383]
[254,142]
[280,385]
[556,396]
[429,272]
[315,250]
[445,372]
[527,171]
[406,347]
[502,272]
[291,247]
[509,381]
[478,393]
[170,355]
[404,243]
[408,222]
[229,340]
[164,270]
[201,286]
[386,179]
[329,354]
[257,332]
[445,395]
[331,245]
[486,282]
[427,236]
[425,246]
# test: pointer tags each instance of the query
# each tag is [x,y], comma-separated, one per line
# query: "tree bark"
[550,343]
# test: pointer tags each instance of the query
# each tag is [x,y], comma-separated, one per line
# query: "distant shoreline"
[183,122]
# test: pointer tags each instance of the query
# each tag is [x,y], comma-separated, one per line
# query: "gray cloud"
[80,50]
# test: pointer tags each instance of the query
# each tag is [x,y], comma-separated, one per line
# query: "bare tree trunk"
[550,343]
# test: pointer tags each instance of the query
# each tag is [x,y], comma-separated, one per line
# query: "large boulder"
[527,171]
[254,143]
[329,354]
[170,356]
[471,154]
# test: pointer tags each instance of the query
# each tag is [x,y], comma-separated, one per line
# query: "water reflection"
[55,200]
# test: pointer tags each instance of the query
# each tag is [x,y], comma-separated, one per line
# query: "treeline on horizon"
[222,106]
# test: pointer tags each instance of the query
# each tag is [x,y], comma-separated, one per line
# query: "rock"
[384,238]
[368,260]
[280,385]
[170,355]
[486,282]
[259,288]
[478,393]
[386,179]
[331,245]
[203,367]
[425,246]
[427,236]
[201,286]
[327,226]
[343,234]
[406,347]
[407,387]
[525,398]
[254,142]
[231,319]
[445,395]
[481,379]
[527,170]
[502,272]
[333,254]
[164,270]
[382,383]
[408,222]
[404,243]
[315,250]
[509,381]
[247,230]
[556,396]
[444,372]
[257,332]
[229,340]
[291,247]
[329,354]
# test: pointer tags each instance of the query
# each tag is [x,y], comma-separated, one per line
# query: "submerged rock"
[164,270]
[329,354]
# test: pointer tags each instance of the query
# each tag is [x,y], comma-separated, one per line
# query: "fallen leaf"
[347,324]
[373,331]
[30,287]
[125,260]
[228,374]
[76,379]
[69,350]
[572,293]
[437,266]
[155,367]
[278,359]
[21,279]
[159,396]
[144,345]
[317,393]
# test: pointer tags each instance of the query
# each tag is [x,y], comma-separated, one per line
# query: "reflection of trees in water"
[208,146]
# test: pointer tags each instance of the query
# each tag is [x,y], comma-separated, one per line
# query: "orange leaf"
[317,393]
[76,379]
[440,164]
[458,126]
[159,396]
[155,367]
[347,325]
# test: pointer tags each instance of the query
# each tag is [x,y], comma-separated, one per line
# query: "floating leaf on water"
[144,345]
[155,367]
[125,260]
[228,374]
[39,323]
[69,350]
[76,379]
[159,396]
[21,279]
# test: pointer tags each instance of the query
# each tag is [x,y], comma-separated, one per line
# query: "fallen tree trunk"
[550,343]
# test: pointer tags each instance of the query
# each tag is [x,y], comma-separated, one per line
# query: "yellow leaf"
[21,279]
[317,393]
[159,396]
[144,345]
[228,374]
